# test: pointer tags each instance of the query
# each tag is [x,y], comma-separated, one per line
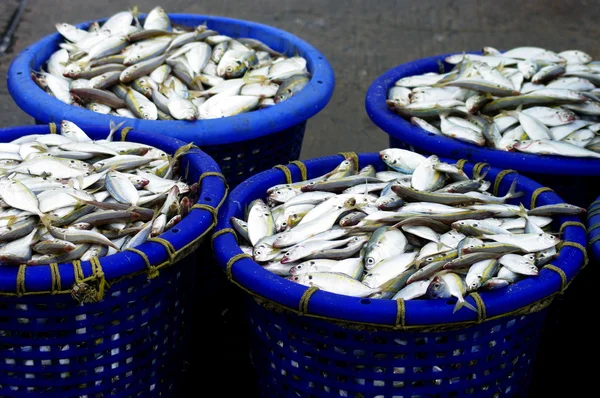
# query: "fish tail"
[512,192]
[463,303]
[523,211]
[113,129]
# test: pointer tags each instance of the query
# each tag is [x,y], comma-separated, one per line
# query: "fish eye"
[298,267]
[287,254]
[429,259]
[278,192]
[284,224]
[258,253]
[72,162]
[310,277]
[385,157]
[370,260]
[436,285]
[312,263]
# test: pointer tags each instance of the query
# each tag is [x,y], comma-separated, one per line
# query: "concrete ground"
[361,39]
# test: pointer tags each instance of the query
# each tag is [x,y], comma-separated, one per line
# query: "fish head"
[283,95]
[291,254]
[283,224]
[550,239]
[565,116]
[72,70]
[437,288]
[303,268]
[530,258]
[370,262]
[282,194]
[303,279]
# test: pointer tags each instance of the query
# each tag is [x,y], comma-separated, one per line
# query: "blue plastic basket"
[573,179]
[133,342]
[311,343]
[242,145]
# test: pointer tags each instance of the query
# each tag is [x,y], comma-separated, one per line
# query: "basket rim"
[250,276]
[302,106]
[593,225]
[398,127]
[38,279]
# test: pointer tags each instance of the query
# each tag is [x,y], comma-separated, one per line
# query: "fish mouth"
[285,260]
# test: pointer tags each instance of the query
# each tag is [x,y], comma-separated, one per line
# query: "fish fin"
[523,211]
[512,192]
[113,129]
[463,303]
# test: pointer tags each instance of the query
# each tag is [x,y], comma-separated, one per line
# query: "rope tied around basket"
[460,163]
[171,252]
[577,246]
[286,171]
[592,213]
[478,169]
[537,193]
[152,271]
[561,273]
[302,167]
[55,279]
[593,227]
[99,276]
[124,133]
[481,310]
[400,314]
[21,280]
[232,261]
[499,179]
[52,127]
[303,304]
[222,232]
[351,155]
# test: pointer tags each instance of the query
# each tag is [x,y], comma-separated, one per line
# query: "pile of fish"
[161,70]
[421,229]
[527,99]
[66,197]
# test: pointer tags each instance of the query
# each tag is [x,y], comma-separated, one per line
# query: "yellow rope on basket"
[537,193]
[593,213]
[52,127]
[577,246]
[302,167]
[210,209]
[481,310]
[460,163]
[351,155]
[594,240]
[400,314]
[21,280]
[286,171]
[571,224]
[499,179]
[303,305]
[99,276]
[124,133]
[478,167]
[561,273]
[55,279]
[593,227]
[78,271]
[171,252]
[213,174]
[233,260]
[221,232]
[152,270]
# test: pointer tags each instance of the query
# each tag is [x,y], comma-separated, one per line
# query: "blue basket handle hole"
[208,199]
[365,301]
[319,81]
[19,73]
[175,230]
